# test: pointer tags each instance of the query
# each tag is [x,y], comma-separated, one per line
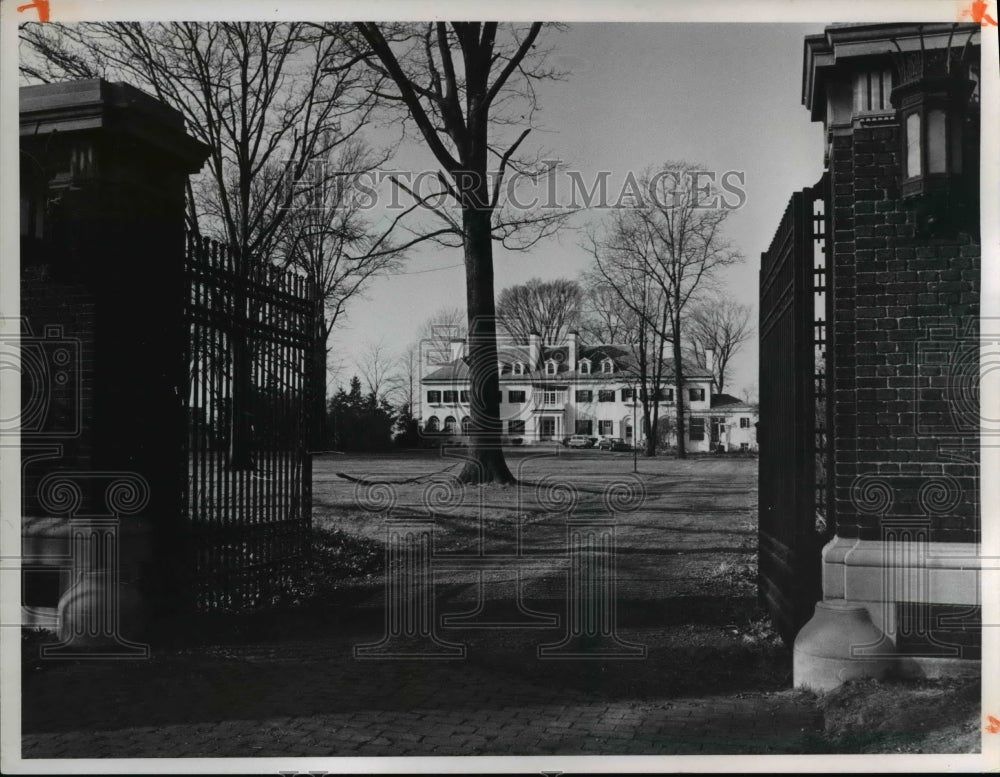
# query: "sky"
[724,95]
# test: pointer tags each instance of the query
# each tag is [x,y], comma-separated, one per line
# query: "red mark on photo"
[41,5]
[977,10]
[992,725]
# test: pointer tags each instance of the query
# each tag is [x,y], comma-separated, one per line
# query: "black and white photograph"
[610,392]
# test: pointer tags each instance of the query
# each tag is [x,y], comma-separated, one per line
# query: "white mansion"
[550,392]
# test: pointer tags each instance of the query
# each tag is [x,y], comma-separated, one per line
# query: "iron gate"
[794,521]
[248,492]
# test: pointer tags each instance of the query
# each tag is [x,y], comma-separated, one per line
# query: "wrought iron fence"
[793,436]
[248,494]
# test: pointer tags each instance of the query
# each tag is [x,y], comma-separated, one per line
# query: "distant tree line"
[359,421]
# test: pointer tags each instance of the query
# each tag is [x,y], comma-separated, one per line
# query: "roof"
[729,402]
[622,355]
[841,42]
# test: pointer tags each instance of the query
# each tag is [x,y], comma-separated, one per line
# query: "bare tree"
[407,387]
[548,308]
[603,316]
[434,336]
[327,238]
[463,84]
[723,326]
[378,370]
[430,349]
[273,101]
[630,295]
[671,235]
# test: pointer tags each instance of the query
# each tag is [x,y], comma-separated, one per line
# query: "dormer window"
[607,366]
[550,367]
[585,366]
[519,368]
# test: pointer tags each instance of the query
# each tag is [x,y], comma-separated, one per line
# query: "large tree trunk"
[651,425]
[486,462]
[679,378]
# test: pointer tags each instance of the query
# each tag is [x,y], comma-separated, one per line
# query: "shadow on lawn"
[501,669]
[305,666]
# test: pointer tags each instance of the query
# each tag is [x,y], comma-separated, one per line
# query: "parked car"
[613,444]
[578,441]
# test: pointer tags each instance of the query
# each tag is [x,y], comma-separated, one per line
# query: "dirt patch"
[925,716]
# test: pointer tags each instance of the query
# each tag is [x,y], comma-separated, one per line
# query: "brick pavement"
[774,724]
[311,698]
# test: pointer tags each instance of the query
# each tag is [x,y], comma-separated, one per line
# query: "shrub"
[335,558]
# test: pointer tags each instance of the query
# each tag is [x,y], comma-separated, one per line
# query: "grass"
[335,558]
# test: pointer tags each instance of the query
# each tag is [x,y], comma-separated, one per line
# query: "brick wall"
[905,347]
[69,375]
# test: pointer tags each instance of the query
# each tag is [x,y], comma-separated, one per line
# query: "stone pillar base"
[831,648]
[853,633]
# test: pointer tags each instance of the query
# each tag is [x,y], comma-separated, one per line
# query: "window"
[936,144]
[585,366]
[519,368]
[665,395]
[463,397]
[515,397]
[607,366]
[515,427]
[604,428]
[606,395]
[433,397]
[913,145]
[585,395]
[450,397]
[871,91]
[550,398]
[696,395]
[744,423]
[696,429]
[431,425]
[585,427]
[550,367]
[466,426]
[449,425]
[744,446]
[626,395]
[932,114]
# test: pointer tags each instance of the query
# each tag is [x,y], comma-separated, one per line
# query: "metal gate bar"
[247,508]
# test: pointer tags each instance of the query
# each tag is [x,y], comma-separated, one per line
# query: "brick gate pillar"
[104,169]
[899,105]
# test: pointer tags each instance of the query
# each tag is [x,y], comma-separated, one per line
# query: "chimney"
[534,350]
[710,361]
[457,348]
[571,339]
